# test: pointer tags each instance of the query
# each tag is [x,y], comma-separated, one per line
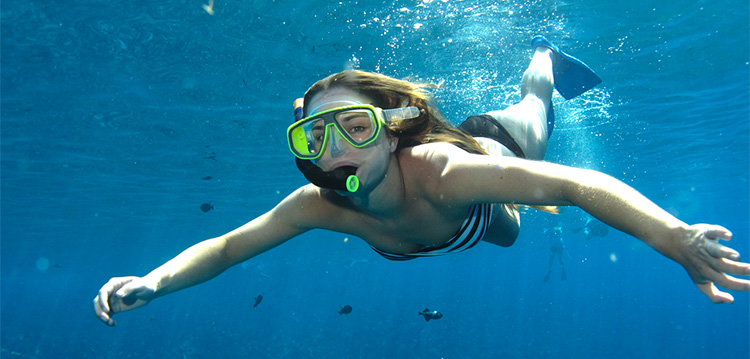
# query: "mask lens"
[316,134]
[358,125]
[307,138]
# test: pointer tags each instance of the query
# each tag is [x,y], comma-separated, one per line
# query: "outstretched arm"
[195,265]
[695,247]
[204,260]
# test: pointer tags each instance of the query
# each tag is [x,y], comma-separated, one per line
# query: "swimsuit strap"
[471,232]
[487,126]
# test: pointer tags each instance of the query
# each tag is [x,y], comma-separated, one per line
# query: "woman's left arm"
[695,247]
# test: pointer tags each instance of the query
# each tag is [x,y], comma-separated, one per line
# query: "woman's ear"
[393,144]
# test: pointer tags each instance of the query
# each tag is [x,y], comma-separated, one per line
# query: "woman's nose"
[337,147]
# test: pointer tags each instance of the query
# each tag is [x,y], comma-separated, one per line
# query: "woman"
[403,164]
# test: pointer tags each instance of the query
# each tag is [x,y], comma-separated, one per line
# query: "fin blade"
[572,76]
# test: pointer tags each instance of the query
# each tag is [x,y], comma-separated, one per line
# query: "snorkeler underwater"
[297,178]
[407,166]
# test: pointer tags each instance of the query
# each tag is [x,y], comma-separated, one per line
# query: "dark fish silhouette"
[206,207]
[257,300]
[345,309]
[206,178]
[430,314]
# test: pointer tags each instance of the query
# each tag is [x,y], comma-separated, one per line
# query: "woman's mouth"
[343,164]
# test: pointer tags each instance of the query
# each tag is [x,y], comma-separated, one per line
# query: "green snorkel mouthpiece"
[352,183]
[341,179]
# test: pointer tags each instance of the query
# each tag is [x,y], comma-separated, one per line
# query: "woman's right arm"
[211,257]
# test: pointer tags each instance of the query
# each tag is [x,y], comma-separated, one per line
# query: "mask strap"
[401,113]
[344,102]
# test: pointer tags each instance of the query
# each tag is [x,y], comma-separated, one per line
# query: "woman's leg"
[526,121]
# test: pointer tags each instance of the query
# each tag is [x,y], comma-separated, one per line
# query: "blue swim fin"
[572,76]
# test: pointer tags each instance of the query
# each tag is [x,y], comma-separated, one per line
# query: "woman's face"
[371,161]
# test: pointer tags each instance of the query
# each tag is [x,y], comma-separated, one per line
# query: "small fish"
[206,178]
[206,207]
[430,314]
[257,300]
[345,309]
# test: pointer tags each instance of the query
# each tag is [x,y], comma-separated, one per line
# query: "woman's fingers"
[713,293]
[718,232]
[108,290]
[103,298]
[108,294]
[717,250]
[102,314]
[712,265]
[731,267]
[719,274]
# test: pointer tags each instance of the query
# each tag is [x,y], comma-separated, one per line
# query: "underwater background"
[115,113]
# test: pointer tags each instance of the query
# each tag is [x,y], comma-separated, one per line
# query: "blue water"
[113,111]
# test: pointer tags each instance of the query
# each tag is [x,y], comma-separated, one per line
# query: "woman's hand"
[709,263]
[122,294]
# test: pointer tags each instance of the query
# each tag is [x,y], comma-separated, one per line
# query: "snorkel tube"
[340,179]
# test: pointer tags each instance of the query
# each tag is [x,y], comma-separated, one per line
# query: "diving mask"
[358,124]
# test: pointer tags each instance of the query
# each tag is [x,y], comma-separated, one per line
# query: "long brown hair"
[387,92]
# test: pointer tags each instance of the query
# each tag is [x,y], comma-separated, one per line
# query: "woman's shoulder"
[446,174]
[424,166]
[431,151]
[434,155]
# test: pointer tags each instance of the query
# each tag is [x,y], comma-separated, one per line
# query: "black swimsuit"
[486,126]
